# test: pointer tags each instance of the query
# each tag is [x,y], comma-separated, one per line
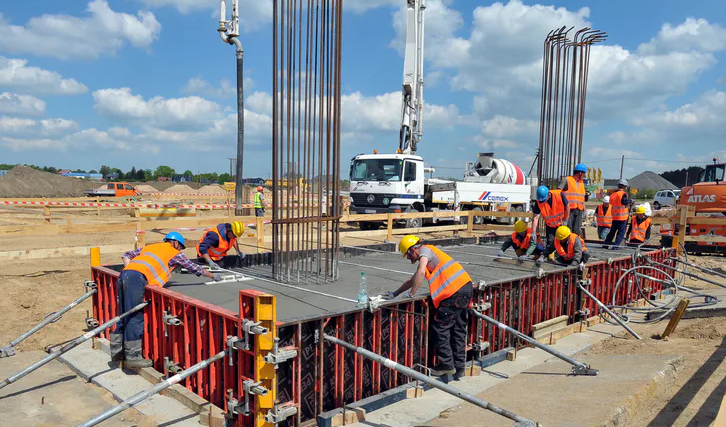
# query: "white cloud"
[693,34]
[21,105]
[502,127]
[16,74]
[87,139]
[225,89]
[102,31]
[28,127]
[253,14]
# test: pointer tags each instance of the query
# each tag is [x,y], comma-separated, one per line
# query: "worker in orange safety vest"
[573,187]
[639,228]
[621,206]
[215,242]
[553,208]
[524,241]
[569,247]
[604,218]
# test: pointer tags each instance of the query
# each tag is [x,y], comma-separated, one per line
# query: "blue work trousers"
[130,291]
[619,228]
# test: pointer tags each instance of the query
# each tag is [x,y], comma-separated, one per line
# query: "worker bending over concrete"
[573,187]
[639,228]
[151,265]
[524,241]
[570,249]
[553,207]
[604,218]
[621,205]
[451,290]
[216,242]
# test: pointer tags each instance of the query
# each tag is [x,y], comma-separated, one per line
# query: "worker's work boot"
[117,347]
[460,373]
[132,353]
[440,372]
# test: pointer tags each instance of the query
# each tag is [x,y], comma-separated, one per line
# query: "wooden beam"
[706,239]
[61,252]
[682,306]
[402,231]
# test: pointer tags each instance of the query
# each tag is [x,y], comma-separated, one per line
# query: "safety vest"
[220,251]
[555,214]
[637,232]
[575,193]
[153,263]
[570,253]
[447,278]
[620,211]
[524,243]
[604,219]
[258,200]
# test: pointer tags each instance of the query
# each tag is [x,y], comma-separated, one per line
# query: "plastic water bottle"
[363,290]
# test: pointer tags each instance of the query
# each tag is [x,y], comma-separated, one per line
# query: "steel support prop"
[695,276]
[9,350]
[578,368]
[608,311]
[388,363]
[71,345]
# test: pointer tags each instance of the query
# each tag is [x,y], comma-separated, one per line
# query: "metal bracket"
[584,370]
[584,314]
[90,284]
[480,346]
[280,413]
[481,284]
[7,351]
[251,328]
[92,323]
[277,355]
[251,388]
[540,272]
[168,319]
[481,307]
[172,367]
[374,303]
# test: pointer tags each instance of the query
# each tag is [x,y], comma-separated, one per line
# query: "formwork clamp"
[279,355]
[170,320]
[251,388]
[481,307]
[90,284]
[480,346]
[280,413]
[251,328]
[171,367]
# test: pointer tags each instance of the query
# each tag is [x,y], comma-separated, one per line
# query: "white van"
[665,198]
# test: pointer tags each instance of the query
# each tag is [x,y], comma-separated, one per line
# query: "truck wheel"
[478,220]
[656,206]
[413,222]
[512,220]
[368,226]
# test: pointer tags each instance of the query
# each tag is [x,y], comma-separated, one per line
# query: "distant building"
[113,175]
[64,171]
[84,175]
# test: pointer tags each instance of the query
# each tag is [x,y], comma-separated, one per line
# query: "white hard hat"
[606,199]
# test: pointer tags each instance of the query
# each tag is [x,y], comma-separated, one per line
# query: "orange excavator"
[708,196]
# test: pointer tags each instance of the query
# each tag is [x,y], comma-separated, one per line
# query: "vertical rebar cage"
[565,66]
[306,205]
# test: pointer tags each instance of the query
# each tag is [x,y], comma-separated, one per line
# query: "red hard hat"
[259,188]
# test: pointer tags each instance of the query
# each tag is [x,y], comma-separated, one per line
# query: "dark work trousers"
[550,235]
[449,329]
[619,228]
[229,261]
[575,221]
[130,291]
[259,212]
[565,261]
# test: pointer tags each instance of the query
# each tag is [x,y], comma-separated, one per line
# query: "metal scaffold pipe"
[71,345]
[609,312]
[388,363]
[578,368]
[9,350]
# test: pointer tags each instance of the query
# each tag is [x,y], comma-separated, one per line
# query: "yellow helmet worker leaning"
[640,210]
[238,228]
[406,243]
[562,232]
[520,226]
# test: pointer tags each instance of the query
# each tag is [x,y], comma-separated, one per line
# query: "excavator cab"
[713,173]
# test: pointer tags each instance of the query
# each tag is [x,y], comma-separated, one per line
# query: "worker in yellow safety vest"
[260,201]
[604,218]
[524,241]
[216,242]
[450,289]
[573,187]
[151,265]
[639,228]
[621,205]
[569,247]
[553,208]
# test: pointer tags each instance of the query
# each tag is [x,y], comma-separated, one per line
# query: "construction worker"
[573,187]
[604,218]
[553,206]
[151,265]
[524,241]
[216,242]
[621,205]
[639,228]
[260,201]
[451,290]
[570,248]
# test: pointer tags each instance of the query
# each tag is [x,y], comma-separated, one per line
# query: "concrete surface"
[51,396]
[94,366]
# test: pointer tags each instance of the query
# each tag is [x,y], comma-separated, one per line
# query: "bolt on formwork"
[306,209]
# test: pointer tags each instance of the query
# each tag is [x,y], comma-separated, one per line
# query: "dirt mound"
[705,329]
[211,189]
[23,181]
[179,189]
[146,189]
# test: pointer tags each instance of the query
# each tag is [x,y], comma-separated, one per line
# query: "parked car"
[665,198]
[114,189]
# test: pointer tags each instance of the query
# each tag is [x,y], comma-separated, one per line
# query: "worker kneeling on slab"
[150,265]
[639,228]
[570,248]
[217,241]
[524,241]
[451,290]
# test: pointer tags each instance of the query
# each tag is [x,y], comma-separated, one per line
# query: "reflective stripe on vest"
[258,200]
[555,214]
[575,193]
[447,278]
[570,247]
[604,219]
[153,263]
[637,232]
[524,243]
[220,251]
[620,211]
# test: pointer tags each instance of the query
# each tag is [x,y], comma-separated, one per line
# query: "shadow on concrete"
[678,403]
[38,387]
[178,420]
[112,366]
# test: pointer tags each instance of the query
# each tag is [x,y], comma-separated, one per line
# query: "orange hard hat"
[259,188]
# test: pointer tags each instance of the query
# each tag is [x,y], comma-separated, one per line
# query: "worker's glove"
[213,265]
[389,295]
[217,277]
[581,267]
[407,294]
[500,254]
[523,258]
[241,255]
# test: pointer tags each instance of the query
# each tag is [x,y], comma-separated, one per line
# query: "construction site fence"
[321,376]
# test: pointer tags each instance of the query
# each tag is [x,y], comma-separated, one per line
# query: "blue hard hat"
[580,167]
[542,193]
[175,236]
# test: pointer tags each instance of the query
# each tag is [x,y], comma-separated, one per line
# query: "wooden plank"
[682,306]
[706,239]
[402,231]
[681,231]
[60,252]
[660,220]
[389,227]
[493,227]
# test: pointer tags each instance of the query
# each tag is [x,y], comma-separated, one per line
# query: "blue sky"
[148,82]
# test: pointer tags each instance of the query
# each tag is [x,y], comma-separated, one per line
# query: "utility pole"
[231,166]
[229,32]
[622,163]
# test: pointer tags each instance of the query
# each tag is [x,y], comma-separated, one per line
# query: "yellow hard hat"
[520,226]
[562,232]
[238,228]
[406,243]
[640,210]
